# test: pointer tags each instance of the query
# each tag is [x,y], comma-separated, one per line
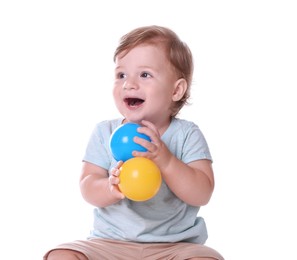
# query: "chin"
[133,119]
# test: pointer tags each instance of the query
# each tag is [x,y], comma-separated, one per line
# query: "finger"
[112,170]
[150,130]
[119,164]
[113,180]
[152,135]
[116,170]
[142,142]
[149,125]
[116,173]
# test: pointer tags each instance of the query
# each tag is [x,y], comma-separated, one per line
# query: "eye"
[120,75]
[145,75]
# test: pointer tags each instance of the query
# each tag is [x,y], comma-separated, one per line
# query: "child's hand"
[157,151]
[114,180]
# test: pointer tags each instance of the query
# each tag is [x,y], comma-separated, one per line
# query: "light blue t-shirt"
[163,218]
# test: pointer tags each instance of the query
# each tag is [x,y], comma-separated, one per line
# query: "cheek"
[164,96]
[116,92]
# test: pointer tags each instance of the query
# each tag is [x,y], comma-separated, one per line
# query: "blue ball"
[121,141]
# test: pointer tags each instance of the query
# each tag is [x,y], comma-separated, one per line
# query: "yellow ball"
[140,179]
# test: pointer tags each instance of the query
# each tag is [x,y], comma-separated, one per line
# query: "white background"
[56,74]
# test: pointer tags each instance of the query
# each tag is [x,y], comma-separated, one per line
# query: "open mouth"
[133,102]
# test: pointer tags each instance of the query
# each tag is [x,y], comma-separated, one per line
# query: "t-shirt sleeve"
[195,145]
[97,150]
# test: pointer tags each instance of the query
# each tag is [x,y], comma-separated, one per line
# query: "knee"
[65,254]
[201,258]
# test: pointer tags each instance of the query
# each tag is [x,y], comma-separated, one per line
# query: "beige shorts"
[102,249]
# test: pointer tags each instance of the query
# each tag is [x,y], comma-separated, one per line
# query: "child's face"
[144,85]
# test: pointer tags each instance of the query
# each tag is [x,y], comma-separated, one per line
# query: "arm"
[96,187]
[196,183]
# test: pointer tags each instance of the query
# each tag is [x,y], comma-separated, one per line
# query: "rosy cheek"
[116,91]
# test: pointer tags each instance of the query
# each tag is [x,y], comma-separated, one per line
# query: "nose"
[130,84]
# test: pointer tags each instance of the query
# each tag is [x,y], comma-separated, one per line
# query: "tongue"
[133,102]
[136,102]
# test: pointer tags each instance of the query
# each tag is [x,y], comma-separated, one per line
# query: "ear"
[180,87]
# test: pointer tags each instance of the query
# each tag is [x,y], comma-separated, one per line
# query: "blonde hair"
[177,52]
